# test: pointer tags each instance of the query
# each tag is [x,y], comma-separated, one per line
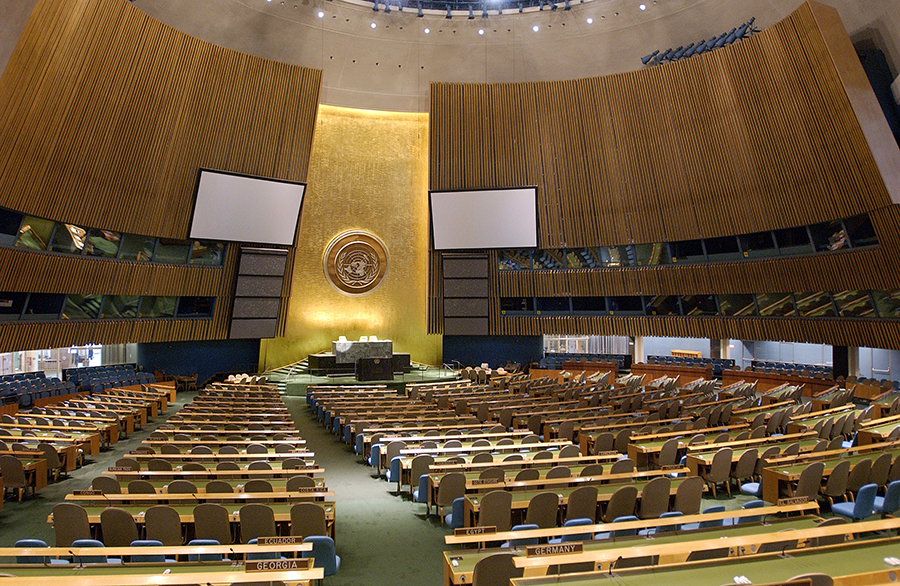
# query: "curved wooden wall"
[757,136]
[106,117]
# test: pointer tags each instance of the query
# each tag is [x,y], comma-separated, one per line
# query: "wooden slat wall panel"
[106,115]
[23,270]
[756,136]
[21,336]
[867,333]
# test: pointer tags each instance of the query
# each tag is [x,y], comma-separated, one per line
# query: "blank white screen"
[489,218]
[246,209]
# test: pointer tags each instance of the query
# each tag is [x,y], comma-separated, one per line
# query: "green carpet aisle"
[381,538]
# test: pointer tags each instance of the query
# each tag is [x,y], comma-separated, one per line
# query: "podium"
[372,369]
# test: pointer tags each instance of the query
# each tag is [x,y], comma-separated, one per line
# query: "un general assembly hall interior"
[492,292]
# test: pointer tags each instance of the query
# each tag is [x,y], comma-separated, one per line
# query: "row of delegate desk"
[186,465]
[293,570]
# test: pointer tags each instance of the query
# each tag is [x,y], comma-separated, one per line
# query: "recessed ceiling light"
[590,20]
[643,7]
[373,25]
[321,14]
[428,30]
[535,28]
[481,31]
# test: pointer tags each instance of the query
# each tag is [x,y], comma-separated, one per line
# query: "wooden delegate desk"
[742,541]
[475,485]
[171,551]
[439,439]
[68,454]
[109,433]
[89,442]
[777,478]
[237,486]
[270,456]
[141,574]
[222,498]
[771,380]
[699,463]
[670,370]
[186,513]
[166,387]
[858,563]
[150,407]
[129,393]
[601,552]
[138,416]
[878,430]
[125,423]
[199,441]
[35,467]
[472,506]
[195,476]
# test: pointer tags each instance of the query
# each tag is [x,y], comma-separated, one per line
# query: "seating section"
[717,364]
[555,361]
[25,388]
[97,378]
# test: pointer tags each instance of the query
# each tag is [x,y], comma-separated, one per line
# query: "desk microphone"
[80,562]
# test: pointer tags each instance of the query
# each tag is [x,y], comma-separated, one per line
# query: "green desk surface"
[187,511]
[830,463]
[278,484]
[859,557]
[882,429]
[805,446]
[468,558]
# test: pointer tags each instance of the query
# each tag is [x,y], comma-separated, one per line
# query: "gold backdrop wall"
[368,171]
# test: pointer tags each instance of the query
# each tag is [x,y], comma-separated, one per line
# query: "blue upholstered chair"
[522,542]
[862,508]
[454,518]
[890,502]
[35,559]
[204,557]
[323,554]
[575,536]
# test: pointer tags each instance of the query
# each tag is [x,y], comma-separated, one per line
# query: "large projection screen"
[240,208]
[486,218]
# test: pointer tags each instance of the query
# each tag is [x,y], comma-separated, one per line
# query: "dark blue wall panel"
[495,350]
[203,358]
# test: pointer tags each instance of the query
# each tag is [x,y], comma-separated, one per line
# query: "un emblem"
[356,262]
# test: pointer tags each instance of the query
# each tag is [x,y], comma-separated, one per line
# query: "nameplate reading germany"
[559,549]
[474,530]
[277,565]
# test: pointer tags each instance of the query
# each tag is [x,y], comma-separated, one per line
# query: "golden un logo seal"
[356,262]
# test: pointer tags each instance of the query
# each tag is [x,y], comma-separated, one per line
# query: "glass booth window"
[35,233]
[172,251]
[9,226]
[44,306]
[737,305]
[861,231]
[793,240]
[663,305]
[103,243]
[82,306]
[516,304]
[887,303]
[695,305]
[854,304]
[120,307]
[68,238]
[589,304]
[829,236]
[757,245]
[514,260]
[722,248]
[195,306]
[776,304]
[625,305]
[135,247]
[158,307]
[11,305]
[688,251]
[207,253]
[814,305]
